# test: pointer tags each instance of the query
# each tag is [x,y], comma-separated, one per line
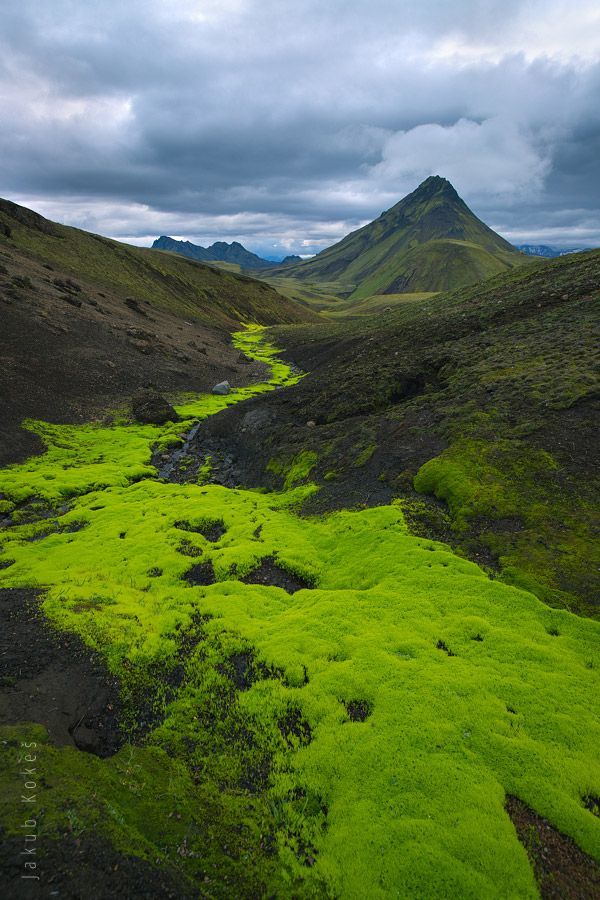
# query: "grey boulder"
[223,387]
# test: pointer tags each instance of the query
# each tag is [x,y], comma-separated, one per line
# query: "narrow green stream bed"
[354,738]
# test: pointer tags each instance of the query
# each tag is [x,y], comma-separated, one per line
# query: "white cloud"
[493,158]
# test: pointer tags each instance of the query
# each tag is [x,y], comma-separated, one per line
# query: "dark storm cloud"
[286,125]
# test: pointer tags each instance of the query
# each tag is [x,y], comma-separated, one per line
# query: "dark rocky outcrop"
[152,409]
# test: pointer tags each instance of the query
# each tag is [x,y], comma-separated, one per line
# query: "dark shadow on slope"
[358,710]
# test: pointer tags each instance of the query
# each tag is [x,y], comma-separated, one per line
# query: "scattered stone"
[223,387]
[152,409]
[141,345]
[311,423]
[67,285]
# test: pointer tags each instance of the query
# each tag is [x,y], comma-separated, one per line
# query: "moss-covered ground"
[356,738]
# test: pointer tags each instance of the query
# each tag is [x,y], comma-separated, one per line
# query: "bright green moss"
[408,802]
[293,471]
[365,455]
[488,482]
[205,471]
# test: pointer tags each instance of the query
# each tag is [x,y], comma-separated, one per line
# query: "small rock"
[223,387]
[140,345]
[152,409]
[310,424]
[134,304]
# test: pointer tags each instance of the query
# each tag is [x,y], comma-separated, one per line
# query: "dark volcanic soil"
[562,870]
[87,868]
[51,678]
[271,574]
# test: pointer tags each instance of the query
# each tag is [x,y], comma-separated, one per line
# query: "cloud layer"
[287,125]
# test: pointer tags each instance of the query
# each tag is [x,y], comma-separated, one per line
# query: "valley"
[335,632]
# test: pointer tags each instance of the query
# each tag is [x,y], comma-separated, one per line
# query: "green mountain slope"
[429,241]
[220,251]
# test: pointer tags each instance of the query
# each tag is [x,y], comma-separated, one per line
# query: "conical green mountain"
[429,241]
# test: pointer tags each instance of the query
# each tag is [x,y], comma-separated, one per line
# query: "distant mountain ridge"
[429,241]
[546,251]
[219,251]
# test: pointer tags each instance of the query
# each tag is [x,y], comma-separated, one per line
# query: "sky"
[286,125]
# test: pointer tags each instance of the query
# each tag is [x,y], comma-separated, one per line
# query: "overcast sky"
[287,124]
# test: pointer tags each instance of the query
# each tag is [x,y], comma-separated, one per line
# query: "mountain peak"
[435,184]
[429,241]
[219,251]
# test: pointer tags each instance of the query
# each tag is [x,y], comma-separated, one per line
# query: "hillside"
[430,241]
[219,251]
[87,321]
